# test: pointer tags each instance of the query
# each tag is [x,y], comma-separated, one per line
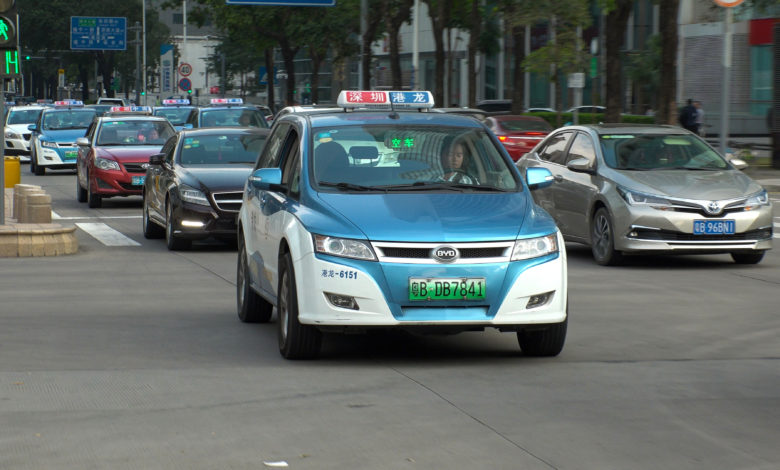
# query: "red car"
[114,155]
[519,134]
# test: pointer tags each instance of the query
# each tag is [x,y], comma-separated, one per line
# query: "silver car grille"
[228,202]
[422,253]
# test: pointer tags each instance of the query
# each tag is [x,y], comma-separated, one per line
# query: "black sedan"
[193,189]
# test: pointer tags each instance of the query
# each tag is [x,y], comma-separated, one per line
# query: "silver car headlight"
[9,134]
[106,164]
[343,247]
[195,196]
[528,248]
[635,198]
[46,143]
[757,200]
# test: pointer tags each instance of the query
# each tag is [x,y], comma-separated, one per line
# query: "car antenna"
[393,113]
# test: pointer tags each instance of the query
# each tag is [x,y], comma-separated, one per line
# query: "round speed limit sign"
[185,69]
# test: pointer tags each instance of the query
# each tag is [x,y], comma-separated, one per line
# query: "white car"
[17,135]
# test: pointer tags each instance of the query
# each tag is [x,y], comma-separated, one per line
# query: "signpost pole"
[724,105]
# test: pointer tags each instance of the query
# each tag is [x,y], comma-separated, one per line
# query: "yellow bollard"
[13,172]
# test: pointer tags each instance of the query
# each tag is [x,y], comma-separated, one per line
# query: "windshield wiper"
[349,186]
[634,168]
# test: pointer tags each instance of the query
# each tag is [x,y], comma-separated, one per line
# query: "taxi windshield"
[68,119]
[643,152]
[134,132]
[233,117]
[382,157]
[221,149]
[177,116]
[24,116]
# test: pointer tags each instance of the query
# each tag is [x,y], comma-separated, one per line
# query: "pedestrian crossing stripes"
[56,216]
[106,235]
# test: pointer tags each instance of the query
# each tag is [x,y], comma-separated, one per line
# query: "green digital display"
[400,142]
[9,64]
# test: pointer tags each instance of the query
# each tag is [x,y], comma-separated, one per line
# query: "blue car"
[53,140]
[381,215]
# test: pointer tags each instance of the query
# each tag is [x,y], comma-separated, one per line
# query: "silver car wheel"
[284,310]
[602,237]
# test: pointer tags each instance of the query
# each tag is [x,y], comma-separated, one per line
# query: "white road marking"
[106,235]
[55,215]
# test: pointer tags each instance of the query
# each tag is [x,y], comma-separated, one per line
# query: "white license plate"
[138,180]
[713,227]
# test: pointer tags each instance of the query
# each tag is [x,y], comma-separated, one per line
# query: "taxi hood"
[135,153]
[217,178]
[65,135]
[433,217]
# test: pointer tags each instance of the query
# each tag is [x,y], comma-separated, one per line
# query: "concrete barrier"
[20,194]
[37,208]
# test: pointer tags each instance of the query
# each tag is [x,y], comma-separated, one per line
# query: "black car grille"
[667,235]
[424,253]
[26,136]
[228,202]
[134,167]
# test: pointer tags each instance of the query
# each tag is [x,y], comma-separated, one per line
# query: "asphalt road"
[132,357]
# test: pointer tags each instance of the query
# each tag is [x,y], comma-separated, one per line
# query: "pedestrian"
[699,119]
[687,117]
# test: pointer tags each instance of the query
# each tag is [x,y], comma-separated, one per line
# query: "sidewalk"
[24,240]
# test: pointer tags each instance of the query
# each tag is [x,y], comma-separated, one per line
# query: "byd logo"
[445,253]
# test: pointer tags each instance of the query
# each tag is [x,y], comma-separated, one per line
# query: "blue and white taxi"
[175,110]
[381,215]
[53,141]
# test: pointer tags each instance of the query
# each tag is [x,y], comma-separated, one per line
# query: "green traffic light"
[26,57]
[189,92]
[143,93]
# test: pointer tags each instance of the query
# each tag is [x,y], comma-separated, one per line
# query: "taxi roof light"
[175,102]
[373,99]
[68,103]
[227,101]
[131,109]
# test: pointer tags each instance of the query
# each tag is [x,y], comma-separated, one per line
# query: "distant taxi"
[54,134]
[381,215]
[176,111]
[114,155]
[227,112]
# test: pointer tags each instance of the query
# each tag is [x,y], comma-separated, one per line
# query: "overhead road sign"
[90,33]
[289,3]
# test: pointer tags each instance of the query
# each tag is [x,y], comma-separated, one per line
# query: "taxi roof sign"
[131,109]
[68,103]
[385,99]
[176,102]
[227,101]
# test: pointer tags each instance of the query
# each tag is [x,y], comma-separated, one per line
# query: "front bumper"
[196,222]
[381,292]
[18,147]
[639,229]
[63,156]
[108,183]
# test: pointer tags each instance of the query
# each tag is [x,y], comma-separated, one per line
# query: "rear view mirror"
[265,177]
[580,165]
[537,178]
[156,159]
[82,141]
[32,127]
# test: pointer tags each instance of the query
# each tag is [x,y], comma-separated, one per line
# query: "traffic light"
[9,54]
[27,57]
[189,91]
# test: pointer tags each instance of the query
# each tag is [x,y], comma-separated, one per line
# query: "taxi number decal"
[343,274]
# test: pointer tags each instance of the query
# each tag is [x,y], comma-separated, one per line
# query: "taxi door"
[574,191]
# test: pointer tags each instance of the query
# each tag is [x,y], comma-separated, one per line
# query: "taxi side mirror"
[266,179]
[32,127]
[188,125]
[538,178]
[156,159]
[82,142]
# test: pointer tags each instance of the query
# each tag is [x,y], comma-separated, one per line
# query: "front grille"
[670,236]
[421,253]
[26,136]
[134,167]
[228,202]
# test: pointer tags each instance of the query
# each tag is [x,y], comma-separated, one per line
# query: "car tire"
[296,341]
[38,170]
[543,342]
[174,243]
[252,308]
[33,158]
[748,258]
[151,229]
[602,240]
[81,193]
[93,200]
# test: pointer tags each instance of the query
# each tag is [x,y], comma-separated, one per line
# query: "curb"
[27,240]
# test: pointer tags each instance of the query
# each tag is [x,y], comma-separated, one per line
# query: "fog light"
[539,299]
[342,301]
[192,223]
[633,234]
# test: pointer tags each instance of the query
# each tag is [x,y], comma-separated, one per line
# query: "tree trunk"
[615,30]
[395,58]
[474,34]
[667,95]
[84,77]
[314,85]
[365,59]
[271,76]
[288,56]
[518,80]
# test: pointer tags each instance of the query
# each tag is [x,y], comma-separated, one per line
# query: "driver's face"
[454,158]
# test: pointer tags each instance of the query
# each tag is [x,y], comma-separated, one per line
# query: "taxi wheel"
[602,240]
[93,200]
[151,229]
[748,258]
[252,308]
[81,193]
[37,169]
[33,158]
[174,243]
[544,342]
[296,341]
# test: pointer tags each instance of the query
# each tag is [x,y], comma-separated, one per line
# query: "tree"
[396,13]
[667,101]
[615,32]
[439,12]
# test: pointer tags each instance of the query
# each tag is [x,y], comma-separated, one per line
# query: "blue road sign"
[289,3]
[263,77]
[98,33]
[185,84]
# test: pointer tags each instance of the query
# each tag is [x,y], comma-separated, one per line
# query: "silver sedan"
[625,189]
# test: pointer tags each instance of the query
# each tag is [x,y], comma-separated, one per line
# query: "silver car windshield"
[382,157]
[659,152]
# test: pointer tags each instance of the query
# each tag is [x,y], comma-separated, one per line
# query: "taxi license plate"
[71,154]
[713,227]
[138,180]
[447,289]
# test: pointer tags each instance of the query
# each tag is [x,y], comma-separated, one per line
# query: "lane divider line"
[106,235]
[99,218]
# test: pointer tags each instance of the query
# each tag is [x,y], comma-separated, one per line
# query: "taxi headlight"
[106,164]
[9,134]
[193,195]
[343,247]
[757,200]
[636,198]
[528,248]
[46,143]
